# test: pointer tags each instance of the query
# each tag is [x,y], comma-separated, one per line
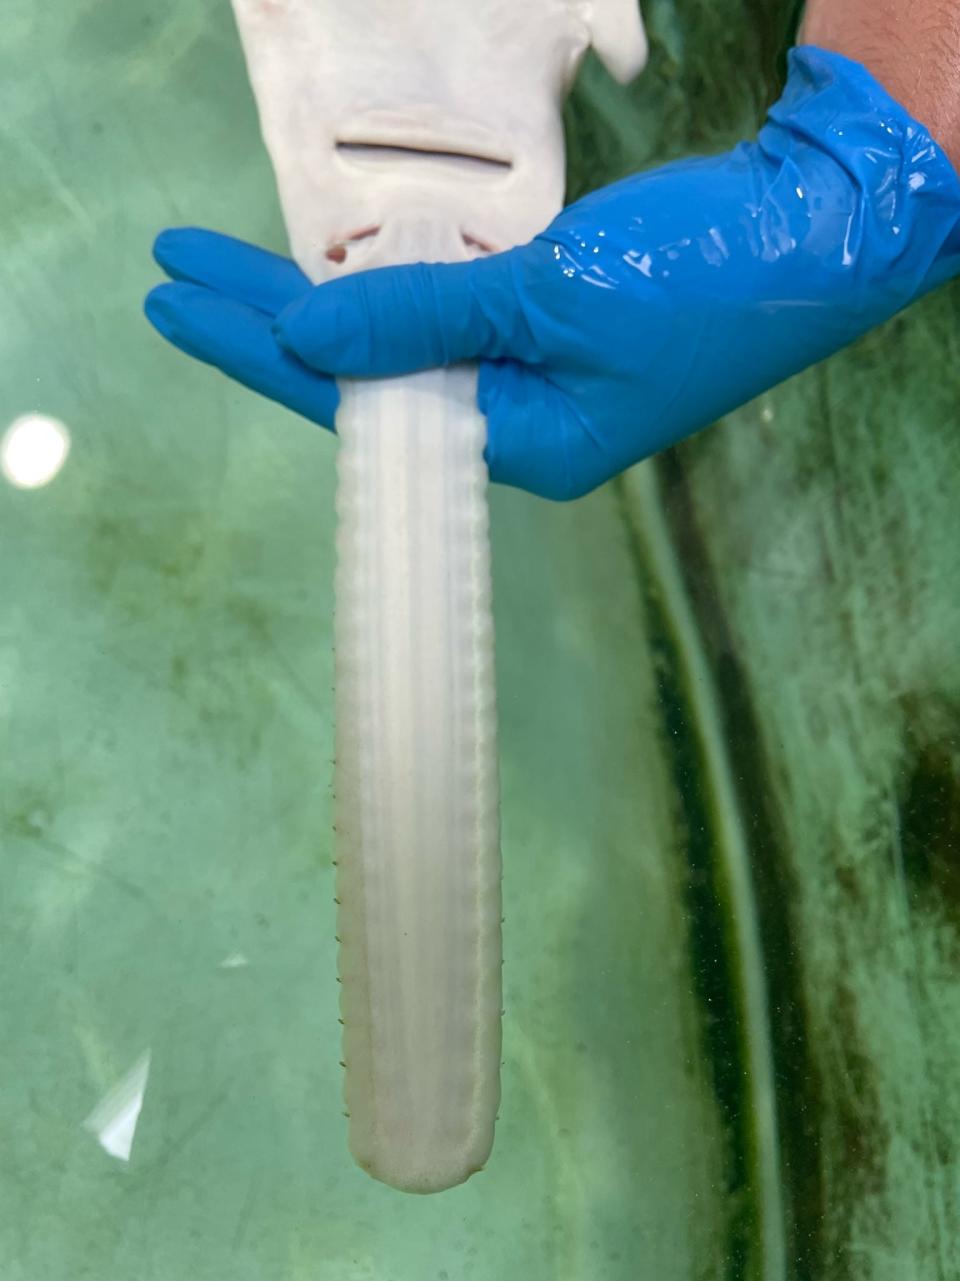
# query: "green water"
[729,690]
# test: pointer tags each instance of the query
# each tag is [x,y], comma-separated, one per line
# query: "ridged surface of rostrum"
[418,875]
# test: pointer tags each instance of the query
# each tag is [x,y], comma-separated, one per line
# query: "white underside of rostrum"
[418,875]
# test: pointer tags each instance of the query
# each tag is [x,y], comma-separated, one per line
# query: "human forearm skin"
[911,46]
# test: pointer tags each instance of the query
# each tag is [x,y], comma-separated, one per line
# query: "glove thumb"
[395,320]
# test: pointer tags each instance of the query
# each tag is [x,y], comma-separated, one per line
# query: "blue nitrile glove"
[644,312]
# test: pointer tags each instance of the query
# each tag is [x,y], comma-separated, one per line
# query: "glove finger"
[237,340]
[536,440]
[395,320]
[243,272]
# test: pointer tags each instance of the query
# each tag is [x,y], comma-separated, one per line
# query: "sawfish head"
[380,115]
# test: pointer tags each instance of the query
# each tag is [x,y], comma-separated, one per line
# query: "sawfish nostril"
[338,251]
[482,246]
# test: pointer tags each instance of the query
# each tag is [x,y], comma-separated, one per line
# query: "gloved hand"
[644,312]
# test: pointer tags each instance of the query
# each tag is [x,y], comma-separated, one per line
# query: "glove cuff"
[909,210]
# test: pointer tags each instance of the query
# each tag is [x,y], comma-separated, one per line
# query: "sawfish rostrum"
[422,130]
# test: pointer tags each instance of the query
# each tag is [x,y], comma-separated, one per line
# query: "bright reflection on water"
[33,450]
[114,1120]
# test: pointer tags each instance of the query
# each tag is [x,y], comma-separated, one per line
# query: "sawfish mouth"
[419,134]
[379,154]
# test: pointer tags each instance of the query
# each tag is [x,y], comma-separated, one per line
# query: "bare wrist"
[911,46]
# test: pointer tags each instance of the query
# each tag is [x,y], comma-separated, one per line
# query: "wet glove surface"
[643,313]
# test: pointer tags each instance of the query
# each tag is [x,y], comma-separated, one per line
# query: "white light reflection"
[33,450]
[113,1121]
